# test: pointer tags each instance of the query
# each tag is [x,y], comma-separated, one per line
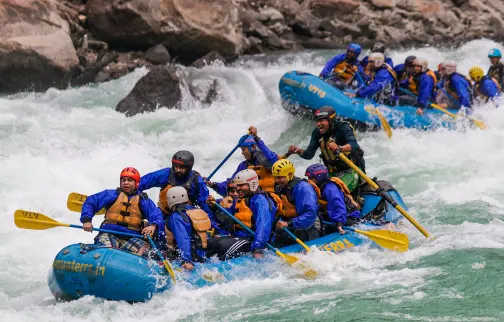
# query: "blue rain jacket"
[336,208]
[400,71]
[381,79]
[306,203]
[459,85]
[487,87]
[181,227]
[106,199]
[425,89]
[271,158]
[333,62]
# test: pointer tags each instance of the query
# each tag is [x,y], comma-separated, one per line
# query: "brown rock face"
[189,29]
[36,51]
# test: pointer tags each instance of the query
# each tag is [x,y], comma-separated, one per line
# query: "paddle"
[296,239]
[76,200]
[477,122]
[384,124]
[308,272]
[383,194]
[385,238]
[36,221]
[242,139]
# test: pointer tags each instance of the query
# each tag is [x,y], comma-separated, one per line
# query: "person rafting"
[485,87]
[180,174]
[126,208]
[421,83]
[186,228]
[378,47]
[342,69]
[455,86]
[496,70]
[336,204]
[258,157]
[383,84]
[403,71]
[226,224]
[299,211]
[332,137]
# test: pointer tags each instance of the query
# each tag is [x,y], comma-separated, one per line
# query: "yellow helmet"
[476,73]
[283,168]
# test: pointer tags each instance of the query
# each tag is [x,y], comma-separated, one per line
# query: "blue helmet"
[318,172]
[355,48]
[248,142]
[494,53]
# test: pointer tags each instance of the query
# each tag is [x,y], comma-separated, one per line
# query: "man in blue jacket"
[334,198]
[258,157]
[299,205]
[341,69]
[421,83]
[457,86]
[485,87]
[126,209]
[404,70]
[383,86]
[186,228]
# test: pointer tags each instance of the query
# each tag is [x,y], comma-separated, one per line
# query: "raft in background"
[113,274]
[303,93]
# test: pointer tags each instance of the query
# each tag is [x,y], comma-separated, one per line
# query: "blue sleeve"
[181,230]
[151,212]
[306,204]
[404,83]
[425,91]
[381,79]
[399,69]
[460,86]
[263,219]
[154,179]
[389,61]
[364,61]
[488,88]
[221,187]
[95,202]
[271,156]
[336,208]
[329,66]
[312,148]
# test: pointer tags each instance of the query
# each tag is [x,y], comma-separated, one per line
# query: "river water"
[72,140]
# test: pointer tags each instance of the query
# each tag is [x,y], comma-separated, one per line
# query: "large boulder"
[188,29]
[36,51]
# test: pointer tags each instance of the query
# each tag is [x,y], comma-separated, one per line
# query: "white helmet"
[421,62]
[378,59]
[247,176]
[450,67]
[176,195]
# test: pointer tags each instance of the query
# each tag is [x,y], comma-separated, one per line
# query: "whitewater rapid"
[58,142]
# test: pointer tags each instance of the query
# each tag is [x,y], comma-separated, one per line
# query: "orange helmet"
[131,173]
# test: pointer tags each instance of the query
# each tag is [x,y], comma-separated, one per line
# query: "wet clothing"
[459,88]
[388,61]
[401,72]
[228,247]
[300,197]
[382,88]
[340,68]
[337,209]
[262,157]
[107,198]
[129,244]
[341,133]
[423,85]
[497,71]
[486,88]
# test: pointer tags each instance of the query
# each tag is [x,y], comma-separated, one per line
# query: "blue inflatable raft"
[302,93]
[113,274]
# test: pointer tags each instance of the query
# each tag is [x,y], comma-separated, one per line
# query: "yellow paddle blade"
[76,200]
[478,123]
[385,125]
[294,261]
[33,220]
[387,239]
[169,269]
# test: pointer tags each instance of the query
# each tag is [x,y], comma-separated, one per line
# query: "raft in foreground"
[113,274]
[303,93]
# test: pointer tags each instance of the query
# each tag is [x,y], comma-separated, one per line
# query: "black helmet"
[325,112]
[183,158]
[378,47]
[409,60]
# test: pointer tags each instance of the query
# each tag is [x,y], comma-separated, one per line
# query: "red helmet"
[131,173]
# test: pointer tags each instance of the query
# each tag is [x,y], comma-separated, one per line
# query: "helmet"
[176,195]
[450,67]
[247,176]
[378,59]
[325,112]
[231,185]
[283,168]
[318,172]
[494,53]
[248,142]
[476,73]
[183,158]
[378,47]
[409,60]
[131,173]
[355,48]
[421,62]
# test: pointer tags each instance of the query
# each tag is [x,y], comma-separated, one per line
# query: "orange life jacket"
[125,213]
[414,81]
[266,179]
[193,179]
[244,213]
[200,223]
[350,203]
[345,71]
